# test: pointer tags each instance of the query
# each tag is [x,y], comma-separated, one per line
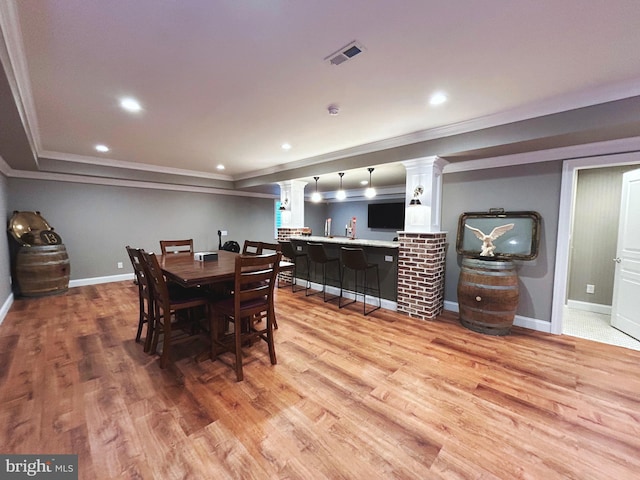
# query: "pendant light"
[341,194]
[316,197]
[370,192]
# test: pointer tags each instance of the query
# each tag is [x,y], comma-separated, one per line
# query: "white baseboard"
[384,303]
[97,280]
[589,307]
[5,307]
[518,321]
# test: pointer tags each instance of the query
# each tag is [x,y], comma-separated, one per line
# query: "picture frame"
[516,235]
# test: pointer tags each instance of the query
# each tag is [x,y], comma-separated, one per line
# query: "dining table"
[185,270]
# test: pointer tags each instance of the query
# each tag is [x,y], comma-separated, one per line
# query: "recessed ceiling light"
[102,148]
[130,105]
[220,167]
[438,98]
[364,182]
[286,146]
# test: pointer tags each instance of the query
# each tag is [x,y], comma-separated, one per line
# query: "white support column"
[292,197]
[423,194]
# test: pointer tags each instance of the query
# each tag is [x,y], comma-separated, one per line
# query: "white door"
[625,311]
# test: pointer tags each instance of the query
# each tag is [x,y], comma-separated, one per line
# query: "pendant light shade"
[341,194]
[370,192]
[316,197]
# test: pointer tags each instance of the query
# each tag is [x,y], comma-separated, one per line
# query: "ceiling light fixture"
[220,167]
[370,192]
[130,105]
[341,194]
[102,148]
[286,146]
[333,110]
[316,197]
[437,98]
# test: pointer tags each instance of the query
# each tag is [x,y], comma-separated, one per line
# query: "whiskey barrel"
[42,270]
[488,295]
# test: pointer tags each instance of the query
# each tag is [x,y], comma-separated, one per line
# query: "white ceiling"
[227,82]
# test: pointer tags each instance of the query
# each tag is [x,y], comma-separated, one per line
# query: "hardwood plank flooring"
[352,397]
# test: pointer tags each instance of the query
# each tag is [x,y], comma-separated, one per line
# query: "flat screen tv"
[386,215]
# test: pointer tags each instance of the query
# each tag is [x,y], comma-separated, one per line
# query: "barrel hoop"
[492,312]
[489,287]
[489,273]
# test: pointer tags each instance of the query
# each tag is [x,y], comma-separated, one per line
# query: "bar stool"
[318,256]
[289,252]
[356,260]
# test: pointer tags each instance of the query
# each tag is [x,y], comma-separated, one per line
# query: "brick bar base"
[285,234]
[421,263]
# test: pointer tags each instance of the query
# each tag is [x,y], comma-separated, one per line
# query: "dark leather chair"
[354,259]
[255,278]
[317,255]
[293,256]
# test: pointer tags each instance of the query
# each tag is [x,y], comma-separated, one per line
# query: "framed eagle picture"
[499,235]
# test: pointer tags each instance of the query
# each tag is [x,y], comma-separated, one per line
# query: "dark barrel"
[42,270]
[488,295]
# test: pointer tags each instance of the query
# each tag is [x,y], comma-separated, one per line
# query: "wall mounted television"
[386,215]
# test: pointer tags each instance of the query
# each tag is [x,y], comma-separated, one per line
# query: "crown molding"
[609,147]
[69,157]
[15,65]
[63,177]
[549,106]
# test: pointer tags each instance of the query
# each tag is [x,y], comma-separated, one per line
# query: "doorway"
[578,317]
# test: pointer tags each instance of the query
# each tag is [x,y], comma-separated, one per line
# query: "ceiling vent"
[345,53]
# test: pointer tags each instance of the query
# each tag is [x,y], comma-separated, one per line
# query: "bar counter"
[384,253]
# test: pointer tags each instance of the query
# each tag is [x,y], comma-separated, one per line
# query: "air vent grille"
[345,53]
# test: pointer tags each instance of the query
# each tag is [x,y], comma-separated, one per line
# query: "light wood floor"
[352,397]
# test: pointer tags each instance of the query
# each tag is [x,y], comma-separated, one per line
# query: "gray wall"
[595,233]
[341,213]
[527,187]
[96,222]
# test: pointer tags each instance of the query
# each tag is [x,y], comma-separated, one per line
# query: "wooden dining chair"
[255,277]
[144,294]
[176,246]
[168,304]
[251,247]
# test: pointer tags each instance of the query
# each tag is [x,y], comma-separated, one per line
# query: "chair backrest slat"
[176,246]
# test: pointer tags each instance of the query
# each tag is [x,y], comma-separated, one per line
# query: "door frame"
[565,223]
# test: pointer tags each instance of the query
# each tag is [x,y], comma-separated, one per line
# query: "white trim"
[331,290]
[559,104]
[18,73]
[608,147]
[70,157]
[518,321]
[567,193]
[6,306]
[98,280]
[64,177]
[589,307]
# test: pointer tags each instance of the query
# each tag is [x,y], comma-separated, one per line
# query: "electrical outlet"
[120,265]
[388,258]
[299,248]
[591,288]
[223,233]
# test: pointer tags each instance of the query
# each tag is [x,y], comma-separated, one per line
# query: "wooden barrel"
[42,270]
[488,295]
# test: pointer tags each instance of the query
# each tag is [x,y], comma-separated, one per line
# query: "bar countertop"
[347,241]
